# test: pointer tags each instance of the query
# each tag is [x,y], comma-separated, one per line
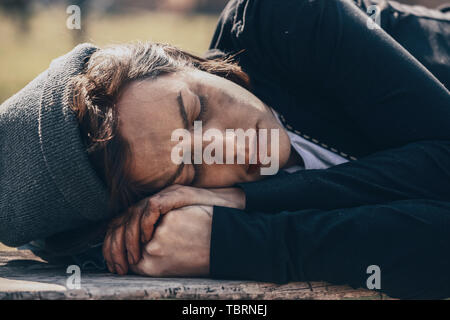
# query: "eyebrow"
[183,113]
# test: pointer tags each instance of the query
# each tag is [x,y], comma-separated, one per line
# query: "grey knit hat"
[47,184]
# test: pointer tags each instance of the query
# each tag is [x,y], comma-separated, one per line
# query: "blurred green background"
[31,39]
[33,32]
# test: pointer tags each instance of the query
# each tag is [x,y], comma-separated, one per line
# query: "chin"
[286,154]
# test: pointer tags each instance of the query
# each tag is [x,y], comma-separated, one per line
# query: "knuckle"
[154,248]
[163,197]
[153,204]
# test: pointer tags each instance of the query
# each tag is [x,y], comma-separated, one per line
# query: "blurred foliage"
[24,55]
[33,32]
[20,10]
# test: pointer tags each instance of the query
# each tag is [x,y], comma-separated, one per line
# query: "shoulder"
[267,36]
[238,29]
[222,38]
[261,26]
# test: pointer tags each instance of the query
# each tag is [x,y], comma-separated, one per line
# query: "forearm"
[228,197]
[416,171]
[408,240]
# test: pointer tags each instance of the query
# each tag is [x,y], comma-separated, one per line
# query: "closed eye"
[203,108]
[200,117]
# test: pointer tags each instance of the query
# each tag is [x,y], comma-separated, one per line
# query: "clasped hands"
[179,244]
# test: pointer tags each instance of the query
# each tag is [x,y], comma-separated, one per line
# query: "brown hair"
[96,91]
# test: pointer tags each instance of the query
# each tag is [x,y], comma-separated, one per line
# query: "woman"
[368,119]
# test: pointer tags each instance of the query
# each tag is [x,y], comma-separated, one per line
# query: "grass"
[24,56]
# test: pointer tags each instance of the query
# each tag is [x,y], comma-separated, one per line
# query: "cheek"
[285,147]
[228,113]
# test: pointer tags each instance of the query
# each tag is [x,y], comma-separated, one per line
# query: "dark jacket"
[377,97]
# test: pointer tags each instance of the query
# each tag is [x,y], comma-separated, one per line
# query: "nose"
[227,146]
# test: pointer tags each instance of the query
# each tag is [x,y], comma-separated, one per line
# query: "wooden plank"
[25,276]
[6,248]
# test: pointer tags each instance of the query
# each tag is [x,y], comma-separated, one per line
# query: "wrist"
[232,197]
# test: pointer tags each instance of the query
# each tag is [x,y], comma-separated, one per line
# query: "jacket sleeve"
[419,170]
[408,240]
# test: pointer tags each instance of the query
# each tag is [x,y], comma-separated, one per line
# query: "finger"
[106,249]
[132,233]
[176,196]
[107,243]
[188,196]
[166,201]
[118,250]
[118,221]
[148,219]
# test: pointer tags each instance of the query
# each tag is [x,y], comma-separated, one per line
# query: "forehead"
[148,114]
[148,100]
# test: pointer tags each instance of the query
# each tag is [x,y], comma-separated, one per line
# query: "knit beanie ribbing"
[47,184]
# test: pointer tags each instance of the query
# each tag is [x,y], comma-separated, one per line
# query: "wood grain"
[25,276]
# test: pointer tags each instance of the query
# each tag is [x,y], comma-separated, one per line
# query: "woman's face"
[151,111]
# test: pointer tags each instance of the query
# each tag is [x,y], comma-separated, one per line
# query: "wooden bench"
[26,276]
